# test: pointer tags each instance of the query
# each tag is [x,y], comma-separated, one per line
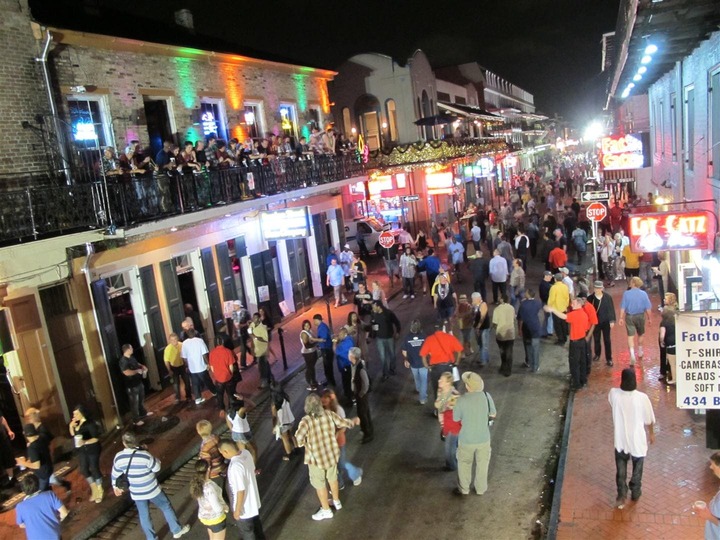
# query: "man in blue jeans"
[411,346]
[326,349]
[134,373]
[529,316]
[141,469]
[385,327]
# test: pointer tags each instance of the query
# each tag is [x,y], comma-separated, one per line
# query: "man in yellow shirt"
[632,262]
[259,333]
[176,366]
[559,299]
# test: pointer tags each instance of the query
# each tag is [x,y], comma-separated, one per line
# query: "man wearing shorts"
[635,310]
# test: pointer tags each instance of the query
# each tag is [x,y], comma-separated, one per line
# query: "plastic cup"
[699,505]
[78,441]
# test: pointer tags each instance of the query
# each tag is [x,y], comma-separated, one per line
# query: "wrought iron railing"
[124,200]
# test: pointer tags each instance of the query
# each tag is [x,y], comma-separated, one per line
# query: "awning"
[437,120]
[470,111]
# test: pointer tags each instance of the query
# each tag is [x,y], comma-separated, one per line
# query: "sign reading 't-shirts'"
[697,360]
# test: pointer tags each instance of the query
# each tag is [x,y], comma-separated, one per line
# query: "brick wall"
[22,94]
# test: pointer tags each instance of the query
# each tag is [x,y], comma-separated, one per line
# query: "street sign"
[596,211]
[411,198]
[386,239]
[590,196]
[697,365]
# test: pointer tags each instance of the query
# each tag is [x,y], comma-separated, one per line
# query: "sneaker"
[412,296]
[322,514]
[139,423]
[199,400]
[341,487]
[357,481]
[182,532]
[405,296]
[620,503]
[337,505]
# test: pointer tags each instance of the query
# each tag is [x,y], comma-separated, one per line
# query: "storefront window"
[288,120]
[212,119]
[253,120]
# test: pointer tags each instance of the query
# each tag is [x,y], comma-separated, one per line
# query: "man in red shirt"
[593,320]
[557,259]
[579,324]
[222,367]
[439,353]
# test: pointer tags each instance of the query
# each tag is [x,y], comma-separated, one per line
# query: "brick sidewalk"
[676,469]
[177,445]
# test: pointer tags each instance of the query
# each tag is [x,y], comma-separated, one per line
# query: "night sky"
[552,49]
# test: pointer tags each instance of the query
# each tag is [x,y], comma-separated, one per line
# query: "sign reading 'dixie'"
[697,338]
[669,231]
[285,224]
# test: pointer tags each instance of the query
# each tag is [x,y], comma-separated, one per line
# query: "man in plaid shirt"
[316,432]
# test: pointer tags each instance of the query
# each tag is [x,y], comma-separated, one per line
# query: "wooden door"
[172,294]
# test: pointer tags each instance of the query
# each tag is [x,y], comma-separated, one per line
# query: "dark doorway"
[124,317]
[189,296]
[299,273]
[157,119]
[264,278]
[322,242]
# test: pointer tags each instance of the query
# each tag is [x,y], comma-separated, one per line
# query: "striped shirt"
[142,473]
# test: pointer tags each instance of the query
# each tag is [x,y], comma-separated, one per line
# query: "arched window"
[391,114]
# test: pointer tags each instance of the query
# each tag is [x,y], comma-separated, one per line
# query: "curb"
[560,476]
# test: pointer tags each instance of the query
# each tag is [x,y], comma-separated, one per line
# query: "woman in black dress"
[86,433]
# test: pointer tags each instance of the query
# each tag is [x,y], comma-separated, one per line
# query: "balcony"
[32,213]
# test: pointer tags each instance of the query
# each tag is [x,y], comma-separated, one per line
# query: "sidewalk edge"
[560,476]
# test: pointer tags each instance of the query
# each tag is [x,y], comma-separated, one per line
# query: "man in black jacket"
[480,267]
[360,388]
[385,329]
[605,308]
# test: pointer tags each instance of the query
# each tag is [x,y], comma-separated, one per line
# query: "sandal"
[286,457]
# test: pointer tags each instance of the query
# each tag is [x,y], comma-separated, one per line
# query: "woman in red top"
[450,429]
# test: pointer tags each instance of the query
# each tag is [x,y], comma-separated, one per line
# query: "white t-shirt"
[631,412]
[241,475]
[193,350]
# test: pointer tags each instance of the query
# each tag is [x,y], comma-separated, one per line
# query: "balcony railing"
[125,200]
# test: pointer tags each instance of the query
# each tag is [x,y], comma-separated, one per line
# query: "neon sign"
[209,125]
[669,232]
[85,132]
[621,152]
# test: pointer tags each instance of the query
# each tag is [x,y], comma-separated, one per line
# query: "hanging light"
[642,70]
[651,49]
[646,59]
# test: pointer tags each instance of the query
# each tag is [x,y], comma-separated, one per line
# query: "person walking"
[503,321]
[475,410]
[445,299]
[85,433]
[222,367]
[632,414]
[361,388]
[243,491]
[635,313]
[40,513]
[283,420]
[326,349]
[667,343]
[38,457]
[531,328]
[309,351]
[386,328]
[342,344]
[440,353]
[456,252]
[195,353]
[579,240]
[133,374]
[481,324]
[544,291]
[498,275]
[355,474]
[212,509]
[408,265]
[410,348]
[260,339]
[480,267]
[316,432]
[559,301]
[140,468]
[579,325]
[605,309]
[335,278]
[430,264]
[517,284]
[449,429]
[172,356]
[32,417]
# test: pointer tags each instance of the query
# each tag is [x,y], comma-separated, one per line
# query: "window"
[212,118]
[656,120]
[391,113]
[288,120]
[253,119]
[673,126]
[662,128]
[313,118]
[689,153]
[89,122]
[443,96]
[715,123]
[460,100]
[347,122]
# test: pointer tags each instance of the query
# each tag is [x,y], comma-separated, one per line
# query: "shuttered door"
[322,243]
[229,291]
[172,294]
[211,287]
[155,320]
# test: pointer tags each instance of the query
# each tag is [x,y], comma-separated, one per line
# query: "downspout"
[679,126]
[42,59]
[90,251]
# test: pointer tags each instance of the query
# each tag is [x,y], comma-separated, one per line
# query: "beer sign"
[675,231]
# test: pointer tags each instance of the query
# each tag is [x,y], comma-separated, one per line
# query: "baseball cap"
[564,270]
[547,273]
[347,246]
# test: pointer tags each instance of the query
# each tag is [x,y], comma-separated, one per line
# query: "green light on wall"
[189,50]
[301,91]
[186,81]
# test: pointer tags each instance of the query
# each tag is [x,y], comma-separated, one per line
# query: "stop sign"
[386,239]
[597,211]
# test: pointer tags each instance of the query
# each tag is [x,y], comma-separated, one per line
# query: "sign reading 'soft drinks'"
[675,231]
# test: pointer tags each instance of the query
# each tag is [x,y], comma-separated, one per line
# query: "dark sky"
[551,48]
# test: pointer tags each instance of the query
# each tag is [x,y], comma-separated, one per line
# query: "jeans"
[483,340]
[328,367]
[136,395]
[162,502]
[251,528]
[604,330]
[310,361]
[532,353]
[467,454]
[386,351]
[621,462]
[451,446]
[498,287]
[549,326]
[560,328]
[264,367]
[408,285]
[181,373]
[199,380]
[421,380]
[506,359]
[352,471]
[89,461]
[646,274]
[222,389]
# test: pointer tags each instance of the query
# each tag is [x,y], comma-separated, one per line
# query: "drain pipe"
[42,59]
[90,251]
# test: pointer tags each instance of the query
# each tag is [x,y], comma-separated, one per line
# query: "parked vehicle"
[371,227]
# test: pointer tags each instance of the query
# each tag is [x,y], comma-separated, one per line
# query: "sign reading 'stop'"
[673,231]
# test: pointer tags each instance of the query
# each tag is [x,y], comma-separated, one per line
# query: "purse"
[122,482]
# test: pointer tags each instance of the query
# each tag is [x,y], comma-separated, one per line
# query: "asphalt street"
[405,492]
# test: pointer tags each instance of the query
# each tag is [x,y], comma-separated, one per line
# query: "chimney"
[184,18]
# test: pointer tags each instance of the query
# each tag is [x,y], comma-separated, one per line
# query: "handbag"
[122,482]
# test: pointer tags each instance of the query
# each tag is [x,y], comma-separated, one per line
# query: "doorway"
[299,272]
[321,230]
[157,118]
[178,278]
[127,332]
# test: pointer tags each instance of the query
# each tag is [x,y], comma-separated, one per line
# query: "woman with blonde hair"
[667,340]
[209,452]
[212,509]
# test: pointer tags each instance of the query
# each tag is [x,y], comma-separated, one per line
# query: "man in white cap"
[605,308]
[476,411]
[567,280]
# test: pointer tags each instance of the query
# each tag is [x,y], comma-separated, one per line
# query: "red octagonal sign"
[386,239]
[597,211]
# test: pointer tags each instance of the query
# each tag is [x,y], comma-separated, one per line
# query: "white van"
[371,227]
